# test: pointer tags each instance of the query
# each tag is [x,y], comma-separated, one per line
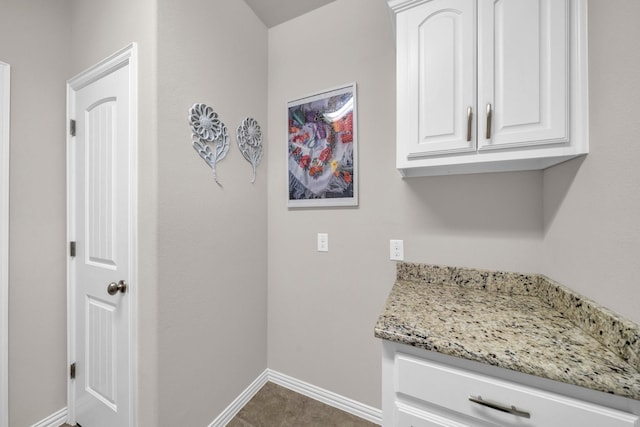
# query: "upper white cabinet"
[490,85]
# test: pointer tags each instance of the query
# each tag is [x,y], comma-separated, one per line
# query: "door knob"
[114,287]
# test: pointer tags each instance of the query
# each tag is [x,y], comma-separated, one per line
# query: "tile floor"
[275,406]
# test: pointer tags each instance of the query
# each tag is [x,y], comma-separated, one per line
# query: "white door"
[440,41]
[523,73]
[103,268]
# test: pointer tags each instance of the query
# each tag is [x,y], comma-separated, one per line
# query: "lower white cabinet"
[419,392]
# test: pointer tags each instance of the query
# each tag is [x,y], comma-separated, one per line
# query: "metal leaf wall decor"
[210,136]
[249,135]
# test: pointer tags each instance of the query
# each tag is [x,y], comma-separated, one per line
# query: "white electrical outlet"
[396,250]
[323,242]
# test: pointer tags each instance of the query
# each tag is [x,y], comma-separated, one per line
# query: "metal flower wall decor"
[249,135]
[210,137]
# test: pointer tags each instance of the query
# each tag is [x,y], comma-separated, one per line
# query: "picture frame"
[322,154]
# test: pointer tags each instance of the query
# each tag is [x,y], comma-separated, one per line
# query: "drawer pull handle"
[510,410]
[469,122]
[488,121]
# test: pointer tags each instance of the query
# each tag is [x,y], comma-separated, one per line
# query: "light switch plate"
[323,242]
[396,250]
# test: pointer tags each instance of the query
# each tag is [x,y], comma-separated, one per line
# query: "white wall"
[592,205]
[212,240]
[34,36]
[323,306]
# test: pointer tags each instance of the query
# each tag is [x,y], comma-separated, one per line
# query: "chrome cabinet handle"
[488,121]
[113,287]
[502,408]
[469,121]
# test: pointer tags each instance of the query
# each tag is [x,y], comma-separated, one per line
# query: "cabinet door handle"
[502,408]
[469,121]
[488,121]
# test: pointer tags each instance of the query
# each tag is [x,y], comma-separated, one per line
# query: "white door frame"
[124,57]
[4,243]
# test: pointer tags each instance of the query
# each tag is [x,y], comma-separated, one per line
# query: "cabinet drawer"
[445,387]
[412,417]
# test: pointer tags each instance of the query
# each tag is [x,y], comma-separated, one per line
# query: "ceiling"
[274,12]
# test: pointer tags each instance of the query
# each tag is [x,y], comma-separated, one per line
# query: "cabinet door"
[436,78]
[523,72]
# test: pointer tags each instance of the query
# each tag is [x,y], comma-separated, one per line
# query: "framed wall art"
[322,150]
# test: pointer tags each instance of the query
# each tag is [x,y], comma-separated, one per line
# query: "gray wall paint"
[576,222]
[592,205]
[47,43]
[34,36]
[212,240]
[58,40]
[323,306]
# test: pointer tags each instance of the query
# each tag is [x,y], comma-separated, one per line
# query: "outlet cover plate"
[396,250]
[323,242]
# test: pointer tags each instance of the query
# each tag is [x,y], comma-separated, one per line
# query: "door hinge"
[72,371]
[72,127]
[72,249]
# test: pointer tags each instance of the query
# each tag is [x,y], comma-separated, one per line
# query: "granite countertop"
[526,323]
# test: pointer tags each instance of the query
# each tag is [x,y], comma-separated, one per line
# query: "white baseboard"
[235,406]
[325,396]
[53,420]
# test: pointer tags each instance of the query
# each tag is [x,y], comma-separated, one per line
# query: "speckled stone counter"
[525,323]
